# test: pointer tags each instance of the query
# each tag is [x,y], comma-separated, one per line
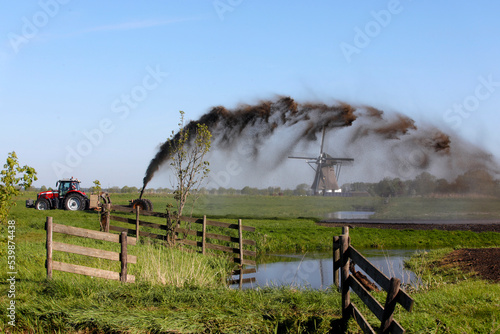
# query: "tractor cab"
[66,185]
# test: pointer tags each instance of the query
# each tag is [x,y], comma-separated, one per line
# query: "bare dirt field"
[484,262]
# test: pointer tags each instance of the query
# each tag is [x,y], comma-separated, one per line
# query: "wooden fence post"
[107,218]
[390,304]
[344,260]
[394,293]
[48,263]
[123,256]
[240,233]
[336,261]
[203,235]
[102,221]
[137,222]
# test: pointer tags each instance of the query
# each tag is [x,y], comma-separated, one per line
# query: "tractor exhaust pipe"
[142,191]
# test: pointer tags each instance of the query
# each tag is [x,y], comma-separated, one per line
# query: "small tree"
[14,177]
[96,189]
[188,151]
[187,154]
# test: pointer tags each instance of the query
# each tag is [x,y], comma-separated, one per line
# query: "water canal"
[315,270]
[350,215]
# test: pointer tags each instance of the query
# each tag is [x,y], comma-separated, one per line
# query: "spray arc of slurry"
[398,148]
[258,123]
[367,131]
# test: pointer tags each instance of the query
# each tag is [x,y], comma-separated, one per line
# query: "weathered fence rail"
[240,252]
[202,238]
[123,257]
[344,253]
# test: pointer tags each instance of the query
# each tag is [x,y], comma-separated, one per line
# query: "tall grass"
[156,264]
[175,267]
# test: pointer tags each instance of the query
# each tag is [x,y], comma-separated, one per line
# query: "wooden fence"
[123,257]
[202,238]
[343,254]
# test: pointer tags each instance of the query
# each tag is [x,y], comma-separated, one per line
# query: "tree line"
[472,182]
[476,181]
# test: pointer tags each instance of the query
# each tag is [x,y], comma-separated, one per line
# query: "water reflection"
[315,270]
[350,214]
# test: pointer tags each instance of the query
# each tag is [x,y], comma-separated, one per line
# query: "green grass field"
[318,207]
[422,208]
[241,206]
[181,292]
[279,228]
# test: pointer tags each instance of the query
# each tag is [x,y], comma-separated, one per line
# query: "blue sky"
[90,89]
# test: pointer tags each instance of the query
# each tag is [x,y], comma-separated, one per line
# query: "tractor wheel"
[42,204]
[74,202]
[150,204]
[141,203]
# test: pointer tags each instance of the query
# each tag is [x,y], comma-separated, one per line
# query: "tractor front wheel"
[42,204]
[74,203]
[149,203]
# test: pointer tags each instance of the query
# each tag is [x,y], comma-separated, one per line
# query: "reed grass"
[175,267]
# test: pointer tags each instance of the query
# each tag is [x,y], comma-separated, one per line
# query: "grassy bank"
[107,307]
[445,302]
[449,300]
[174,291]
[298,235]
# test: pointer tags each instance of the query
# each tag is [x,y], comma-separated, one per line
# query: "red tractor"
[68,196]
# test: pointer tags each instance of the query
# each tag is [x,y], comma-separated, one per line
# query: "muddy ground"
[484,262]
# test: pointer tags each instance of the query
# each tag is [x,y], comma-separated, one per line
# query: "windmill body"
[327,171]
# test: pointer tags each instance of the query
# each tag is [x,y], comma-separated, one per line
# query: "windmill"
[327,170]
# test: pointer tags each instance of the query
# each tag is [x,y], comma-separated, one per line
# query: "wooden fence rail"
[202,237]
[343,254]
[123,257]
